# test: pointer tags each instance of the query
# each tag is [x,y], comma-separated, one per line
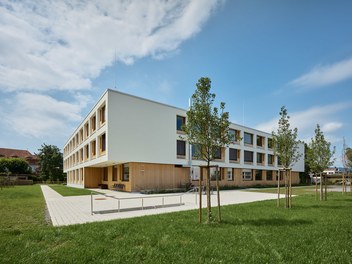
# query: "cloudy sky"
[58,57]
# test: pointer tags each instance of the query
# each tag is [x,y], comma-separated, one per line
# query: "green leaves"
[14,166]
[51,162]
[206,126]
[285,143]
[319,156]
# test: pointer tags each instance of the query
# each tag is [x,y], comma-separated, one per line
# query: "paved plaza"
[111,205]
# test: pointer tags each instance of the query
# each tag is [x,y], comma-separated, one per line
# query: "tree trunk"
[200,195]
[321,187]
[316,188]
[290,189]
[278,189]
[208,194]
[286,190]
[218,194]
[343,182]
[326,187]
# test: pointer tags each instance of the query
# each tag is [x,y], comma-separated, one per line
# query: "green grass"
[69,191]
[301,190]
[311,232]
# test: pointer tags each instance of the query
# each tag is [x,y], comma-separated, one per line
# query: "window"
[81,135]
[93,123]
[93,148]
[281,175]
[233,154]
[180,121]
[102,141]
[181,148]
[229,174]
[114,173]
[260,141]
[271,159]
[269,175]
[86,129]
[102,115]
[217,154]
[86,149]
[258,175]
[279,161]
[126,172]
[81,154]
[215,173]
[248,138]
[195,173]
[270,143]
[234,135]
[105,174]
[196,151]
[247,175]
[248,156]
[260,158]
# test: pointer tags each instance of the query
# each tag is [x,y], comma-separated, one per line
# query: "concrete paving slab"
[71,210]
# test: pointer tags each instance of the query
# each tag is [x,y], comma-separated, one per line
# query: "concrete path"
[71,210]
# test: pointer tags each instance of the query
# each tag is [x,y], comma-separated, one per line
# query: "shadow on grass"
[267,222]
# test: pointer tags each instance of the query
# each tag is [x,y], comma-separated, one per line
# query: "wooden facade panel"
[92,177]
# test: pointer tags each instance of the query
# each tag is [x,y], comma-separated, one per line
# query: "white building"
[131,143]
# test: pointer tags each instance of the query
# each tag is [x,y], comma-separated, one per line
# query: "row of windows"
[234,154]
[247,175]
[89,151]
[124,173]
[88,129]
[235,135]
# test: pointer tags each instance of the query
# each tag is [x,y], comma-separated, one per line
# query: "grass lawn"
[311,232]
[298,190]
[69,191]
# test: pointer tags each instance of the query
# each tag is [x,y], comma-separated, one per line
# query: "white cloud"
[63,45]
[307,120]
[324,75]
[41,116]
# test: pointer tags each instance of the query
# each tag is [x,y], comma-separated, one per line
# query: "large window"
[258,175]
[260,141]
[234,135]
[248,138]
[181,148]
[126,172]
[105,174]
[102,141]
[271,159]
[260,158]
[86,150]
[93,148]
[86,130]
[102,114]
[247,175]
[270,143]
[269,175]
[93,123]
[196,151]
[230,174]
[217,154]
[248,156]
[233,154]
[215,173]
[180,121]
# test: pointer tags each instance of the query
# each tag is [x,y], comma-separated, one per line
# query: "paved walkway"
[71,210]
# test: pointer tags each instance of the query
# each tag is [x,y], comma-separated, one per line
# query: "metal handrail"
[136,198]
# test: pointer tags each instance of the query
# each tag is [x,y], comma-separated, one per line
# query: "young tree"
[320,156]
[51,162]
[207,129]
[285,145]
[348,154]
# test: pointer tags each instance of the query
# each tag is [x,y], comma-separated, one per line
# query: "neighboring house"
[32,160]
[134,144]
[330,171]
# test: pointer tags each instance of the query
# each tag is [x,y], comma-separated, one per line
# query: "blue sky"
[57,58]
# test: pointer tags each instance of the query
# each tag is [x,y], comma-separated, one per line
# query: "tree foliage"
[51,163]
[349,157]
[285,143]
[207,129]
[14,166]
[319,154]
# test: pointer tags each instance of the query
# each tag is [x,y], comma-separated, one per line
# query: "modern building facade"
[132,144]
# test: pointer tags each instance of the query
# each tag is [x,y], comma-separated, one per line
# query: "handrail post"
[91,203]
[118,203]
[163,201]
[142,204]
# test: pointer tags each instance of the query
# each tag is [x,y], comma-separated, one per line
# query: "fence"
[138,203]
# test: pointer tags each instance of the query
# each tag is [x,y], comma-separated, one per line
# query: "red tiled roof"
[8,153]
